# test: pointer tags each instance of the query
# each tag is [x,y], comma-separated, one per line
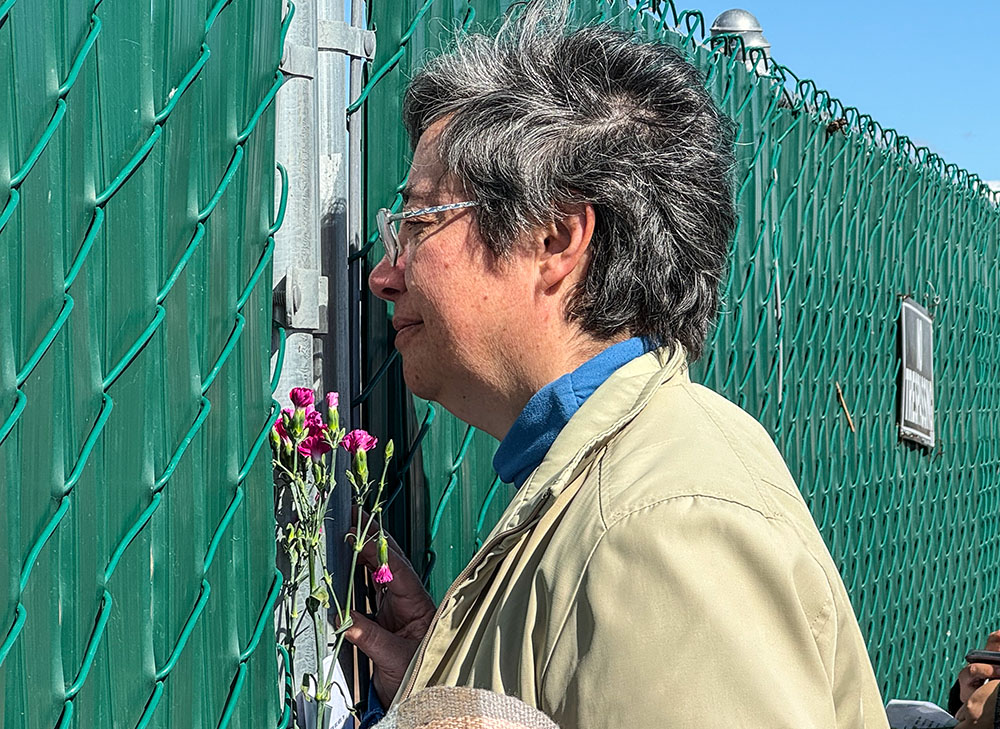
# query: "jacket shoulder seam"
[620,517]
[755,478]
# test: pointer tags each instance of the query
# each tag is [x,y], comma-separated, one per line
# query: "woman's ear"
[563,247]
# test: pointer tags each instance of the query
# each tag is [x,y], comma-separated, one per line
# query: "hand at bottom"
[979,712]
[404,616]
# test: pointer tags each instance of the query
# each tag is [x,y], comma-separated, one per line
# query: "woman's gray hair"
[540,117]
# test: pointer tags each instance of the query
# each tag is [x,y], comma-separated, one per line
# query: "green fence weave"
[136,201]
[839,218]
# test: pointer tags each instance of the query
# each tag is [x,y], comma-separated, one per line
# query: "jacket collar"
[615,403]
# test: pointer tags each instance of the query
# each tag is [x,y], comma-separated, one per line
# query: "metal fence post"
[316,297]
[297,244]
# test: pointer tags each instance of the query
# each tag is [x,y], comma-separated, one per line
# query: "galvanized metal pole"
[299,288]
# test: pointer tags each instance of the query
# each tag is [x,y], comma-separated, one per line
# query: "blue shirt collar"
[548,411]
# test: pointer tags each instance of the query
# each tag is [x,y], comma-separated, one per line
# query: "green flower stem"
[359,544]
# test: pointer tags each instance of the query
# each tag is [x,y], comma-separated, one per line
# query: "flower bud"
[383,549]
[298,423]
[383,575]
[361,465]
[389,449]
[332,416]
[275,441]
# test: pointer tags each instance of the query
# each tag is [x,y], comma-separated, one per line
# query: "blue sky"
[929,69]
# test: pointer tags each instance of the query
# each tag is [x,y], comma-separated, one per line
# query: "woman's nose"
[387,281]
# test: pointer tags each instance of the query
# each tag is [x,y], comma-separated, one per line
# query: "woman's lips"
[406,328]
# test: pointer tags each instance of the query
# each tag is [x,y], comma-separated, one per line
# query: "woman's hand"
[404,616]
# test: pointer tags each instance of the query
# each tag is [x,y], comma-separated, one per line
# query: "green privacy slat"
[47,340]
[19,403]
[36,548]
[404,466]
[5,8]
[182,639]
[136,347]
[838,217]
[262,265]
[131,166]
[199,233]
[19,617]
[234,165]
[88,43]
[92,646]
[154,701]
[88,242]
[266,616]
[189,77]
[278,363]
[391,63]
[227,713]
[213,14]
[279,79]
[143,519]
[203,411]
[66,719]
[258,442]
[376,378]
[452,482]
[8,208]
[226,351]
[220,531]
[50,129]
[107,405]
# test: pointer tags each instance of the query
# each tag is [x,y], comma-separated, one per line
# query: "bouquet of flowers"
[304,444]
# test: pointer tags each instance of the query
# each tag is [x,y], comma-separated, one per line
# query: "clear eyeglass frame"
[388,230]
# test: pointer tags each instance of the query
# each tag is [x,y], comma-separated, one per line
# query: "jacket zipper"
[485,551]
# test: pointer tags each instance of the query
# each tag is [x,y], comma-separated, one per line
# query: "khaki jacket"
[659,569]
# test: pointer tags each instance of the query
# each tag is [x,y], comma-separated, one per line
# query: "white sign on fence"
[916,402]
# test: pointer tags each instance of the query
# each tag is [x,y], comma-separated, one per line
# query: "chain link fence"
[137,224]
[136,220]
[839,220]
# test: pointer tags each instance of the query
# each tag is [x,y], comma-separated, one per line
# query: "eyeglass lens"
[389,232]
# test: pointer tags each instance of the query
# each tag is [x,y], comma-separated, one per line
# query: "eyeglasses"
[388,225]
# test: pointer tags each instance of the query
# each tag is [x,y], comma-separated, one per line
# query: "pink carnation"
[383,575]
[314,421]
[359,440]
[314,446]
[279,426]
[302,397]
[332,399]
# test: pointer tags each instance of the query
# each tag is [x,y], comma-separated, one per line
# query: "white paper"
[337,709]
[917,715]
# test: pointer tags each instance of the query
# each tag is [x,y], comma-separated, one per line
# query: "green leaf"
[322,595]
[344,625]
